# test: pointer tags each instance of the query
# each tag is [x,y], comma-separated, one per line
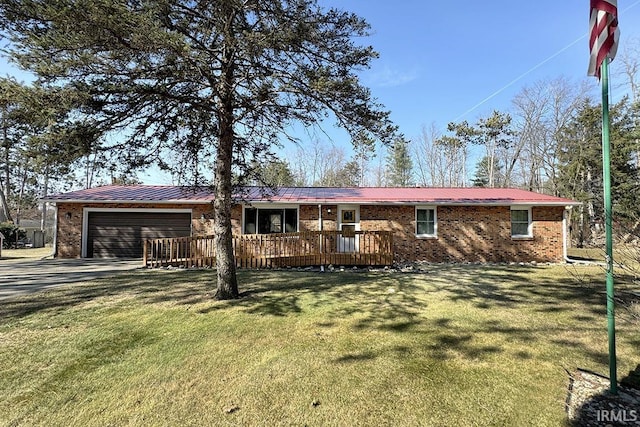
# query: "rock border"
[589,402]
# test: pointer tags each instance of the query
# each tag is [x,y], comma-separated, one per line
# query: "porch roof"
[315,195]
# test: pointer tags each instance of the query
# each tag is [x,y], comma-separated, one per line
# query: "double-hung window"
[426,222]
[521,224]
[270,220]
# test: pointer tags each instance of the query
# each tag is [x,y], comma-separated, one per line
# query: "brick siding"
[469,233]
[464,233]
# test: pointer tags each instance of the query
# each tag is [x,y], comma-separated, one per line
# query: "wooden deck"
[307,248]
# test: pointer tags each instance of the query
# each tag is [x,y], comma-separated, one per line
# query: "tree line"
[549,142]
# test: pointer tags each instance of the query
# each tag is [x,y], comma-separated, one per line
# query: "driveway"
[32,275]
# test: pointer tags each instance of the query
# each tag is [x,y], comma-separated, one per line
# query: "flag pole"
[606,182]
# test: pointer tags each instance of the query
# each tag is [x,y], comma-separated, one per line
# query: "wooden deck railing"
[276,250]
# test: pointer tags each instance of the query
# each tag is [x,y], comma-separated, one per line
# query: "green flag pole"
[608,224]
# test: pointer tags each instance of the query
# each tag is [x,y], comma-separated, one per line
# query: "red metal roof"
[316,195]
[410,195]
[137,193]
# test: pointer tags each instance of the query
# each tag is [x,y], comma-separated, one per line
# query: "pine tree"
[215,82]
[581,166]
[399,164]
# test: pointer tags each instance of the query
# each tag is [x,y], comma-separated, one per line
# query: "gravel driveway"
[31,275]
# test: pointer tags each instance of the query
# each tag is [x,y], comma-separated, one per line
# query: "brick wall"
[469,233]
[465,233]
[309,216]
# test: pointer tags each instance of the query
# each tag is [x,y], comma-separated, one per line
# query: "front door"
[348,224]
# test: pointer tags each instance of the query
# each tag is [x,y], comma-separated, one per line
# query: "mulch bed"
[589,402]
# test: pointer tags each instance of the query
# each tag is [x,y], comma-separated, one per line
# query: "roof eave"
[417,202]
[160,202]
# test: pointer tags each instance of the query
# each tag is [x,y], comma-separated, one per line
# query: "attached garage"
[112,233]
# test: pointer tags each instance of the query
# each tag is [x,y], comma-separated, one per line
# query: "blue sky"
[439,60]
[442,61]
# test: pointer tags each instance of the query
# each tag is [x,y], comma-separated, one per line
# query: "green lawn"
[457,345]
[17,255]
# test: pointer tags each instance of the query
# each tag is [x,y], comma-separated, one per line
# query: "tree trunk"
[491,166]
[227,287]
[4,208]
[581,226]
[227,284]
[23,183]
[464,166]
[5,191]
[45,193]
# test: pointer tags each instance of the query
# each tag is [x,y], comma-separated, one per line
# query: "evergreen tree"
[495,133]
[581,166]
[43,135]
[274,174]
[399,164]
[217,83]
[345,176]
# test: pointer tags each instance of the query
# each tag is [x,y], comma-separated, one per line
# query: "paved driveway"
[31,275]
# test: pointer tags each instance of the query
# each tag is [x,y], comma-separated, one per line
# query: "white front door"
[348,224]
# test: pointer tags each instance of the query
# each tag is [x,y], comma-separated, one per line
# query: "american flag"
[603,33]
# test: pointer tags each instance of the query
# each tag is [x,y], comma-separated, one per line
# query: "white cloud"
[388,77]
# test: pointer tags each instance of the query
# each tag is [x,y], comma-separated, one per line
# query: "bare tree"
[541,112]
[429,161]
[442,159]
[629,65]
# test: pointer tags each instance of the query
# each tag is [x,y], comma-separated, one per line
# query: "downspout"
[564,244]
[564,234]
[320,234]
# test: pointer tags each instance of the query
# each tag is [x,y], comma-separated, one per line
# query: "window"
[348,216]
[266,221]
[521,222]
[426,222]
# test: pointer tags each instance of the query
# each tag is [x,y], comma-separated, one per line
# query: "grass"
[458,345]
[25,253]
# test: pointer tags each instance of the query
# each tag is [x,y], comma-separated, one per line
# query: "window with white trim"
[521,224]
[426,222]
[270,220]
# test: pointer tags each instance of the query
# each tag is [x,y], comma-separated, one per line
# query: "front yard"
[455,345]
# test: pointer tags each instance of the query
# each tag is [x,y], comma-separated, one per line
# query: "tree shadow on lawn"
[393,302]
[183,287]
[512,287]
[397,302]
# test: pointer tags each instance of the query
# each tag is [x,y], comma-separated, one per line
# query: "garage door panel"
[120,234]
[122,250]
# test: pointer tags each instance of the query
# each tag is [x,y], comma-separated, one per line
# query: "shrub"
[11,233]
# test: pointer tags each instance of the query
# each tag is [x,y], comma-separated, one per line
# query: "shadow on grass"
[387,302]
[150,286]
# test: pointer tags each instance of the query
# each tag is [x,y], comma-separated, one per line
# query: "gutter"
[141,201]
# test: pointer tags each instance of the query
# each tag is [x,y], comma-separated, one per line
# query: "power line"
[535,67]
